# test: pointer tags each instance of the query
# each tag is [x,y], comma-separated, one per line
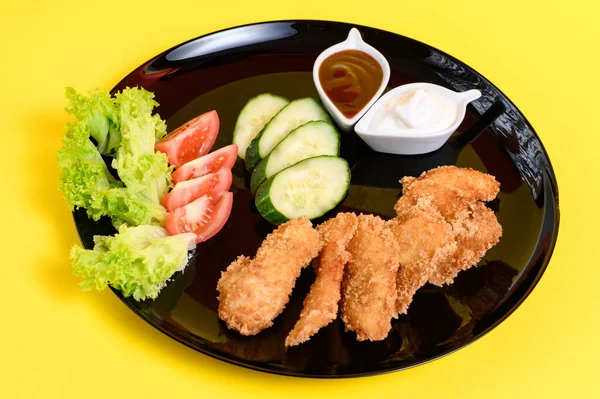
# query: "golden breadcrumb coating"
[254,292]
[442,226]
[449,188]
[476,231]
[473,184]
[425,241]
[321,303]
[369,286]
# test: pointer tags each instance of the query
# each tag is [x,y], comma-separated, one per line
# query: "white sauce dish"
[353,42]
[415,118]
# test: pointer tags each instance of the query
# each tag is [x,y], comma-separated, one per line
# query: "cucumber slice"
[309,140]
[309,188]
[296,113]
[257,112]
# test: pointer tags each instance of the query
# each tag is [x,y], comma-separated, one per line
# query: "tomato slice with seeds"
[187,191]
[222,158]
[190,140]
[205,216]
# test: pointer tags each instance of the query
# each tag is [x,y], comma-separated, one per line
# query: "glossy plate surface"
[222,71]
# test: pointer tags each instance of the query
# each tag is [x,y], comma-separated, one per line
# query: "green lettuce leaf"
[87,183]
[148,175]
[122,126]
[83,171]
[126,207]
[138,261]
[139,127]
[143,170]
[99,114]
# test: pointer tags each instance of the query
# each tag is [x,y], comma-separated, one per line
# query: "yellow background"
[56,341]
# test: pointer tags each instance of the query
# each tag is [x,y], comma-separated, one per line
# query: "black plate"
[222,71]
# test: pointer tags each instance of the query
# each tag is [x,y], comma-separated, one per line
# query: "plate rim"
[548,174]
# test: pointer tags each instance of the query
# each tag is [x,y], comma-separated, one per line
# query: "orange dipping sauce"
[350,78]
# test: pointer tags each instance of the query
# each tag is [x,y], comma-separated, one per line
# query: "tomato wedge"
[205,217]
[222,158]
[190,140]
[185,192]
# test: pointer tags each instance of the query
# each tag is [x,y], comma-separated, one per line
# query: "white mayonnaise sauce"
[415,111]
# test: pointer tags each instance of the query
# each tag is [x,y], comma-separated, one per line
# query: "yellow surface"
[59,342]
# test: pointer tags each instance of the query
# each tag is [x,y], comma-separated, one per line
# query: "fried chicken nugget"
[321,303]
[369,287]
[252,293]
[476,230]
[472,184]
[425,241]
[442,227]
[446,200]
[450,189]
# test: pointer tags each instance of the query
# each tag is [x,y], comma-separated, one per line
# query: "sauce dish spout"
[354,38]
[466,97]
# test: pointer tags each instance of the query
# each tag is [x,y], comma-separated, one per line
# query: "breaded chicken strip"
[442,227]
[369,286]
[445,200]
[254,292]
[321,303]
[473,184]
[425,240]
[476,230]
[450,189]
